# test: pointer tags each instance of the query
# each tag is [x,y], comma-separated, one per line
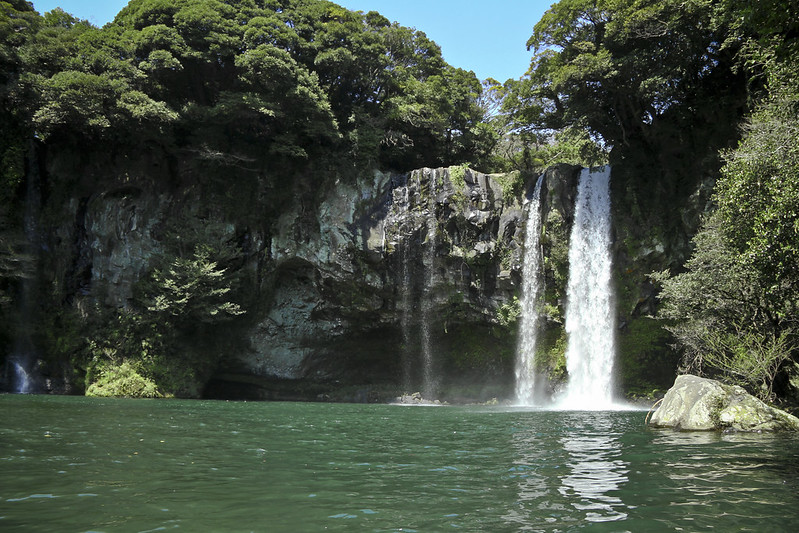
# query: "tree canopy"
[621,68]
[736,305]
[298,79]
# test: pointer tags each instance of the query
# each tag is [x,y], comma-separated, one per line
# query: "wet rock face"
[343,283]
[119,230]
[695,403]
[337,281]
[440,245]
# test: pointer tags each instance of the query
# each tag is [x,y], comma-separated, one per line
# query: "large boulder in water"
[695,403]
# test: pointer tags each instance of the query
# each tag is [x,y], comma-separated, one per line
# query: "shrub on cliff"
[191,291]
[123,380]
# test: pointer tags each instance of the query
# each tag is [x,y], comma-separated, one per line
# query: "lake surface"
[79,464]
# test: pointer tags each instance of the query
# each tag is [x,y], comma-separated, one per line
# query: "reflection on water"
[722,469]
[597,473]
[531,472]
[568,473]
[75,464]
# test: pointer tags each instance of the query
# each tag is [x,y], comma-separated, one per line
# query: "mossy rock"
[695,403]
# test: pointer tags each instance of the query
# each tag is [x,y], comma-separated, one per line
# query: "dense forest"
[249,103]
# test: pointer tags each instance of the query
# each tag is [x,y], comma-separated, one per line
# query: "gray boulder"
[695,403]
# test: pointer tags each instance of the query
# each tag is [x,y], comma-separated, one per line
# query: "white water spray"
[531,285]
[590,317]
[23,384]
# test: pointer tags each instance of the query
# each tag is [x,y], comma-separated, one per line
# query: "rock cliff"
[386,264]
[356,290]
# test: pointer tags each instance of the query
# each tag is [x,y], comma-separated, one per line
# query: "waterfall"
[590,315]
[23,356]
[531,285]
[429,384]
[417,291]
[23,383]
[407,298]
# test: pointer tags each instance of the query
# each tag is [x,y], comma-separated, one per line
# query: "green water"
[76,464]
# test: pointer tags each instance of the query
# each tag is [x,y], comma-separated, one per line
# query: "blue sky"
[486,37]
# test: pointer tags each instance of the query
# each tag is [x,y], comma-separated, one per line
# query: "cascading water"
[22,359]
[429,384]
[418,362]
[531,284]
[407,312]
[23,383]
[590,318]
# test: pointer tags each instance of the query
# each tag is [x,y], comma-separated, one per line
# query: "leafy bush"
[192,290]
[508,313]
[123,380]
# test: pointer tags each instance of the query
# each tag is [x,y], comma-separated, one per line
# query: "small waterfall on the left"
[22,381]
[531,283]
[429,378]
[23,358]
[417,248]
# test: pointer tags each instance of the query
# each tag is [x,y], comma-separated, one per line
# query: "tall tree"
[736,304]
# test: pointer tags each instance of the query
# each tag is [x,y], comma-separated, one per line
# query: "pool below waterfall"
[79,464]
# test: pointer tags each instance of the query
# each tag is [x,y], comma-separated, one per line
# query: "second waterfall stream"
[590,308]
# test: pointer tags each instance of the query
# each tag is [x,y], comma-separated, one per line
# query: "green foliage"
[728,322]
[457,175]
[716,290]
[758,197]
[300,80]
[192,291]
[512,184]
[749,358]
[18,23]
[93,104]
[443,110]
[550,354]
[114,339]
[528,146]
[508,313]
[122,381]
[618,67]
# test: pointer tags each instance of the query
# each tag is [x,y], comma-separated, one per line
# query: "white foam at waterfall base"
[531,282]
[590,314]
[22,379]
